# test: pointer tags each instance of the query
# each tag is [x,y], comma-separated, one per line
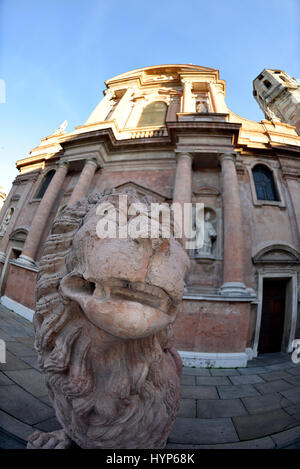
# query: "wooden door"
[272,318]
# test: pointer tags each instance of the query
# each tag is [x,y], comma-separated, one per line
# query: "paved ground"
[253,407]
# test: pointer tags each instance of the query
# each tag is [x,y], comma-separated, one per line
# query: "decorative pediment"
[277,254]
[142,191]
[206,191]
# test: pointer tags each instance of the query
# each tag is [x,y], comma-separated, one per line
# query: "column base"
[25,261]
[234,289]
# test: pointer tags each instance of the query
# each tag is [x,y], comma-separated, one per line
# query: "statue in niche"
[202,105]
[210,236]
[6,221]
[103,321]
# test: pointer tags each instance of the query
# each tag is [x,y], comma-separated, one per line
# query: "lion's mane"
[124,396]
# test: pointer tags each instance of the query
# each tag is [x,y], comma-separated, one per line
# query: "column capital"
[63,164]
[227,156]
[92,161]
[184,155]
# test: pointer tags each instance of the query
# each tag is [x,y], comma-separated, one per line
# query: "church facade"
[167,132]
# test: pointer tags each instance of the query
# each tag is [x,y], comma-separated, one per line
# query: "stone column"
[41,216]
[173,109]
[233,246]
[123,109]
[218,98]
[188,100]
[183,183]
[83,184]
[103,108]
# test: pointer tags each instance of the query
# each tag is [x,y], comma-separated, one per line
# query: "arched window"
[264,183]
[45,184]
[153,114]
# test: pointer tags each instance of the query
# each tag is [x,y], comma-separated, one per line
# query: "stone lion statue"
[103,321]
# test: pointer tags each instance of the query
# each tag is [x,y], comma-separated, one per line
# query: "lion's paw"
[53,440]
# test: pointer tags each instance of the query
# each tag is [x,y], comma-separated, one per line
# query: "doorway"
[272,315]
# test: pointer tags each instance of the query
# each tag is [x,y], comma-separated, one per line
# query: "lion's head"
[104,315]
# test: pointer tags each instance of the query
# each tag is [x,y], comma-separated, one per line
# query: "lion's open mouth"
[138,292]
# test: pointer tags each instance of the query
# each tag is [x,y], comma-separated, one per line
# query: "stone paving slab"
[273,386]
[32,361]
[10,441]
[224,372]
[254,426]
[294,371]
[4,380]
[5,336]
[295,380]
[284,438]
[199,392]
[246,379]
[212,381]
[13,363]
[237,391]
[195,371]
[275,375]
[260,443]
[293,409]
[49,425]
[222,408]
[23,406]
[203,431]
[292,395]
[268,402]
[252,371]
[29,379]
[15,426]
[19,349]
[187,408]
[188,380]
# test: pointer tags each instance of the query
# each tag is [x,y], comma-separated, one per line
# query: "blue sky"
[56,54]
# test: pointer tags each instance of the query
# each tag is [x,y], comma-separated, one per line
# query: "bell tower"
[278,95]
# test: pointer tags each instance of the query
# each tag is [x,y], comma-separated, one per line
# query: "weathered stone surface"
[260,443]
[272,386]
[187,408]
[226,372]
[212,380]
[29,379]
[202,431]
[263,424]
[104,315]
[210,409]
[237,391]
[286,437]
[4,380]
[188,380]
[14,426]
[196,371]
[292,395]
[275,375]
[264,403]
[13,363]
[199,392]
[22,405]
[246,379]
[19,349]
